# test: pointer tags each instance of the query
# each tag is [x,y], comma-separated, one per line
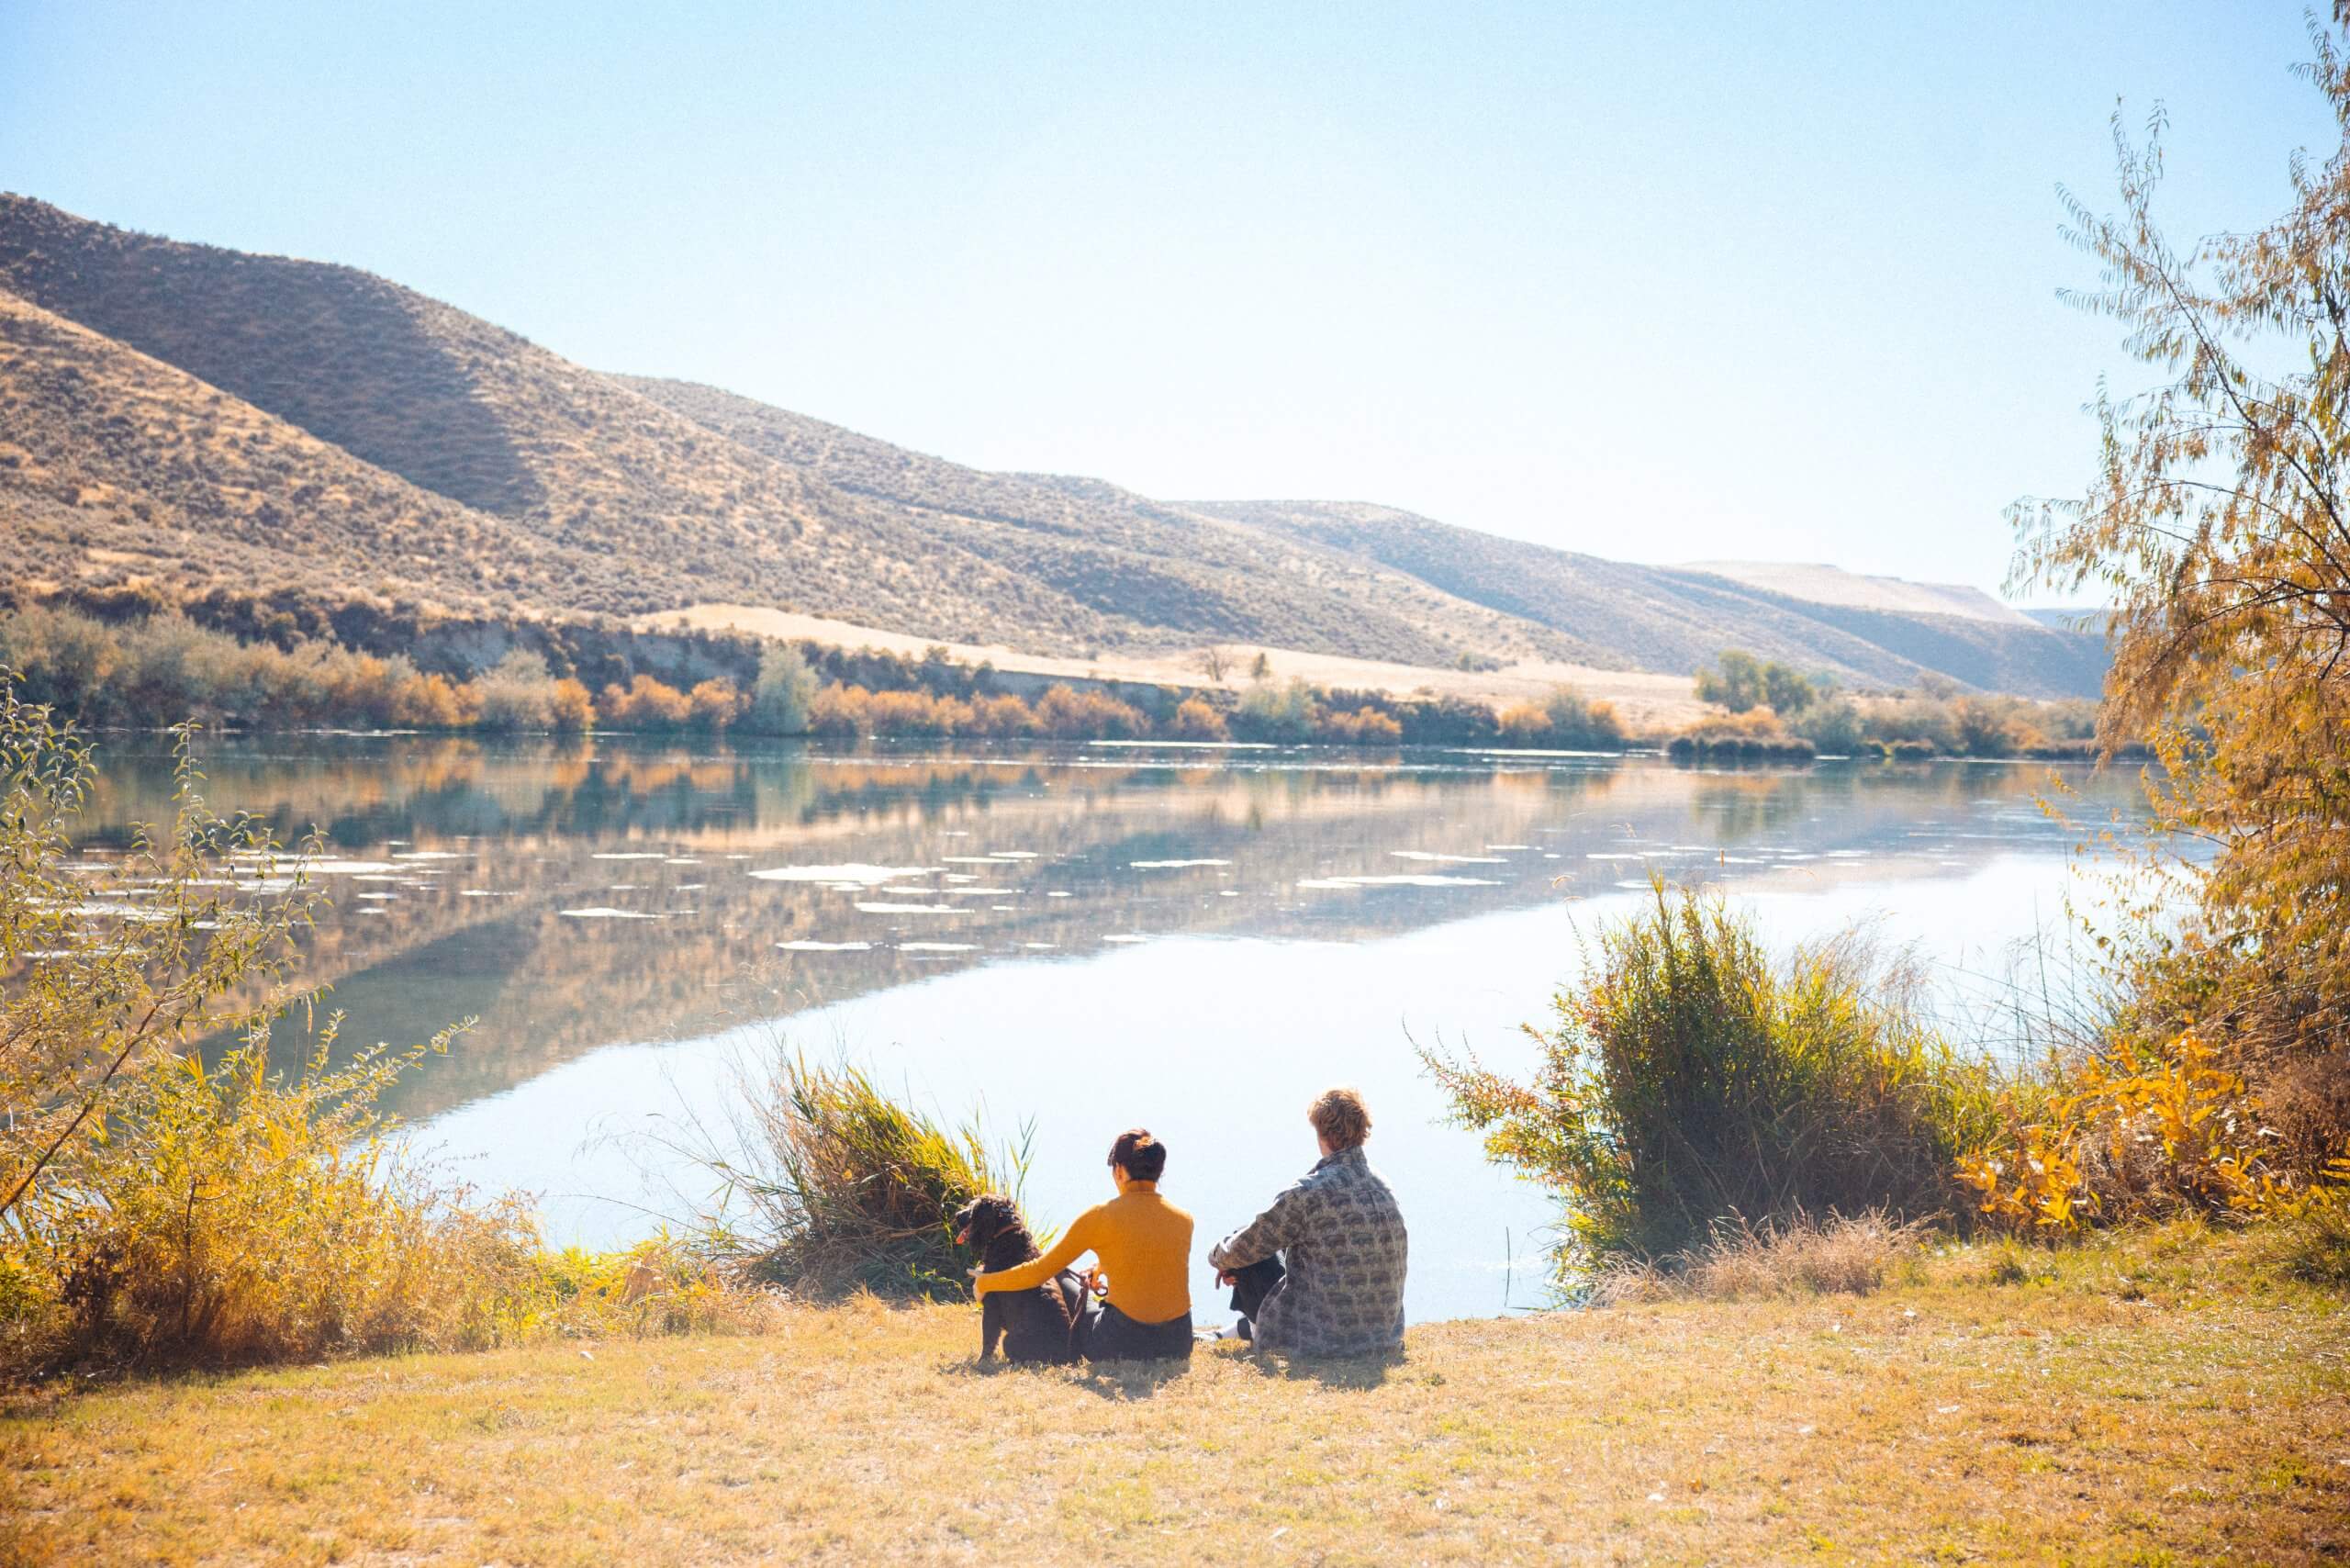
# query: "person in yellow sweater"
[1144,1245]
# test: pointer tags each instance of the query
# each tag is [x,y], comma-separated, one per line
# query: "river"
[1193,939]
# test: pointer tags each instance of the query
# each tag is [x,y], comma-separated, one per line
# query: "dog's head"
[980,1223]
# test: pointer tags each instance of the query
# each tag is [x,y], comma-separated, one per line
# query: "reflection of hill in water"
[503,840]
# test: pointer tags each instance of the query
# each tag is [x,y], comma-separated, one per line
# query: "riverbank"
[2150,1396]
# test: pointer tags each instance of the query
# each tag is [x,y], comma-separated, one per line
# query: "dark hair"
[1139,1155]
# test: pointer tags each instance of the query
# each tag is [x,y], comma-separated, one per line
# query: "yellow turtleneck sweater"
[1144,1246]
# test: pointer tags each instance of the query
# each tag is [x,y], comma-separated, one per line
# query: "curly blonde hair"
[1341,1117]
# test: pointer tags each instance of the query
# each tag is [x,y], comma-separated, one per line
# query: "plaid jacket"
[1341,1237]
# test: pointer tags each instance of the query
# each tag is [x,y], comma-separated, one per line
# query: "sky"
[1664,282]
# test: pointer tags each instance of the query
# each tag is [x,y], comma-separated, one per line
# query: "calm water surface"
[1194,940]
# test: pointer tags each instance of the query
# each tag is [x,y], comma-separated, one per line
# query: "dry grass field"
[1647,701]
[2160,1399]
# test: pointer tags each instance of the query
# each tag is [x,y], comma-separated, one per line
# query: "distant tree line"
[1773,711]
[150,667]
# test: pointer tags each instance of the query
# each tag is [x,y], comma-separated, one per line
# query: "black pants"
[1250,1286]
[1105,1334]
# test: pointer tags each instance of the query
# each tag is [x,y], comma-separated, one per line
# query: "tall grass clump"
[1692,1077]
[835,1187]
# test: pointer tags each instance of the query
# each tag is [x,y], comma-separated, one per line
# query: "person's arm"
[1028,1275]
[1265,1235]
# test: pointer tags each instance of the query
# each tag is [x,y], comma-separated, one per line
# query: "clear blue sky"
[1661,281]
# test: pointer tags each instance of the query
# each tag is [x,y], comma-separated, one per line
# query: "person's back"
[1144,1244]
[1341,1237]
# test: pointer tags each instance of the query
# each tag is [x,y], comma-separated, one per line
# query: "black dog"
[1034,1326]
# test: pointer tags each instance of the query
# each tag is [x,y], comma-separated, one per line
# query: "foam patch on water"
[937,947]
[909,909]
[1633,854]
[808,946]
[1171,864]
[599,913]
[1041,947]
[431,855]
[1491,846]
[1431,855]
[1012,855]
[855,873]
[1056,894]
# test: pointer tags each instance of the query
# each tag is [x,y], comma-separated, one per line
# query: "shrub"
[516,693]
[1270,712]
[712,704]
[1003,718]
[1195,720]
[646,705]
[1576,722]
[1091,715]
[1364,727]
[1523,724]
[838,1188]
[1690,1079]
[783,700]
[431,702]
[151,1208]
[1831,724]
[236,1216]
[570,711]
[2138,1133]
[1739,681]
[841,711]
[912,713]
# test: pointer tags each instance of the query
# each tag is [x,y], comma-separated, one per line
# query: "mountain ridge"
[186,416]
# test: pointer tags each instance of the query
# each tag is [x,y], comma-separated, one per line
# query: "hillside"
[113,464]
[1198,575]
[198,418]
[1824,584]
[1666,618]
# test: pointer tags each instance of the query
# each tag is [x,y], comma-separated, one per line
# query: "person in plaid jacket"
[1321,1272]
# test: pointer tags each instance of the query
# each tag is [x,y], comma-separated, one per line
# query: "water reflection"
[1062,931]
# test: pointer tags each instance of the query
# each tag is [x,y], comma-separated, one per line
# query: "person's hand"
[1227,1277]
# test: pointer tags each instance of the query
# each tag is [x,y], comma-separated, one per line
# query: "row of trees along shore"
[127,669]
[162,1204]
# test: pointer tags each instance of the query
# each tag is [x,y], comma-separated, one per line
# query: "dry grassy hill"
[1665,617]
[1203,578]
[115,465]
[195,417]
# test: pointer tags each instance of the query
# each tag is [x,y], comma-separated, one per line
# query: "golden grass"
[2161,1397]
[1847,1255]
